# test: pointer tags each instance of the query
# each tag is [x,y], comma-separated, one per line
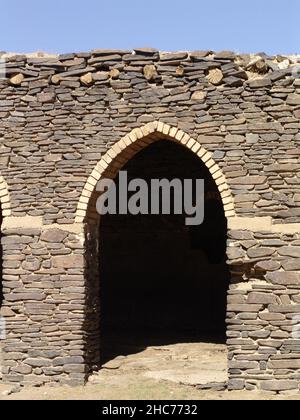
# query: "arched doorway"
[167,300]
[161,281]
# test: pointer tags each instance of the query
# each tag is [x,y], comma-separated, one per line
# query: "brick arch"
[4,198]
[119,154]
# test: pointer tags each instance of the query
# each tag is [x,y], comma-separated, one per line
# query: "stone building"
[68,121]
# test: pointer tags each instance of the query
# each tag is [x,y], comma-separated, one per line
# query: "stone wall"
[44,291]
[60,114]
[263,310]
[66,120]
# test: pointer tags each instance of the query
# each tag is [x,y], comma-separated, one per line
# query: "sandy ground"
[156,373]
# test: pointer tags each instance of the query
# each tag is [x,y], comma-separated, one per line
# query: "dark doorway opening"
[162,282]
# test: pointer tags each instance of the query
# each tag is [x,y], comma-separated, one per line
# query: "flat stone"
[293,99]
[33,264]
[285,309]
[290,251]
[225,55]
[261,298]
[281,168]
[15,297]
[146,51]
[234,253]
[46,97]
[173,56]
[22,369]
[252,138]
[150,72]
[260,252]
[54,236]
[280,385]
[6,312]
[240,235]
[68,261]
[177,98]
[236,384]
[244,308]
[210,139]
[284,278]
[235,139]
[242,365]
[233,81]
[273,243]
[248,244]
[72,360]
[291,265]
[271,343]
[268,266]
[36,362]
[87,79]
[100,52]
[249,180]
[114,364]
[260,83]
[17,79]
[284,364]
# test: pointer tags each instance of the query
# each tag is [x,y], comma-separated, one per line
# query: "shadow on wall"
[162,282]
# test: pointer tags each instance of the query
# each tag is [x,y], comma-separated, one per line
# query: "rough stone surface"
[59,115]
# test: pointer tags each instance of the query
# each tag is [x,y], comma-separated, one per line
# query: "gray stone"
[268,265]
[260,252]
[279,385]
[284,278]
[290,251]
[240,235]
[235,253]
[250,180]
[236,385]
[293,99]
[54,236]
[46,97]
[260,83]
[36,362]
[261,298]
[291,265]
[244,308]
[285,309]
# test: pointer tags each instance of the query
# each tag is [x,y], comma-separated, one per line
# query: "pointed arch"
[4,198]
[119,154]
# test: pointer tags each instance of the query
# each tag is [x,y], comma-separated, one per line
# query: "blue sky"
[272,26]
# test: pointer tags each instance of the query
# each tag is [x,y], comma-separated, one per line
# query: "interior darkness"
[162,282]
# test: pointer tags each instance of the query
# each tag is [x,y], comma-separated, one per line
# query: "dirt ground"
[169,372]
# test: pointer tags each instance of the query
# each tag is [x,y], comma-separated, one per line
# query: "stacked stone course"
[63,118]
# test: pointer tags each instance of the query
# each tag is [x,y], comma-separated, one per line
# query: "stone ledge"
[253,224]
[261,224]
[32,222]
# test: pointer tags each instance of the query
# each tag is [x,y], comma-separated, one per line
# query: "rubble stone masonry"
[68,120]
